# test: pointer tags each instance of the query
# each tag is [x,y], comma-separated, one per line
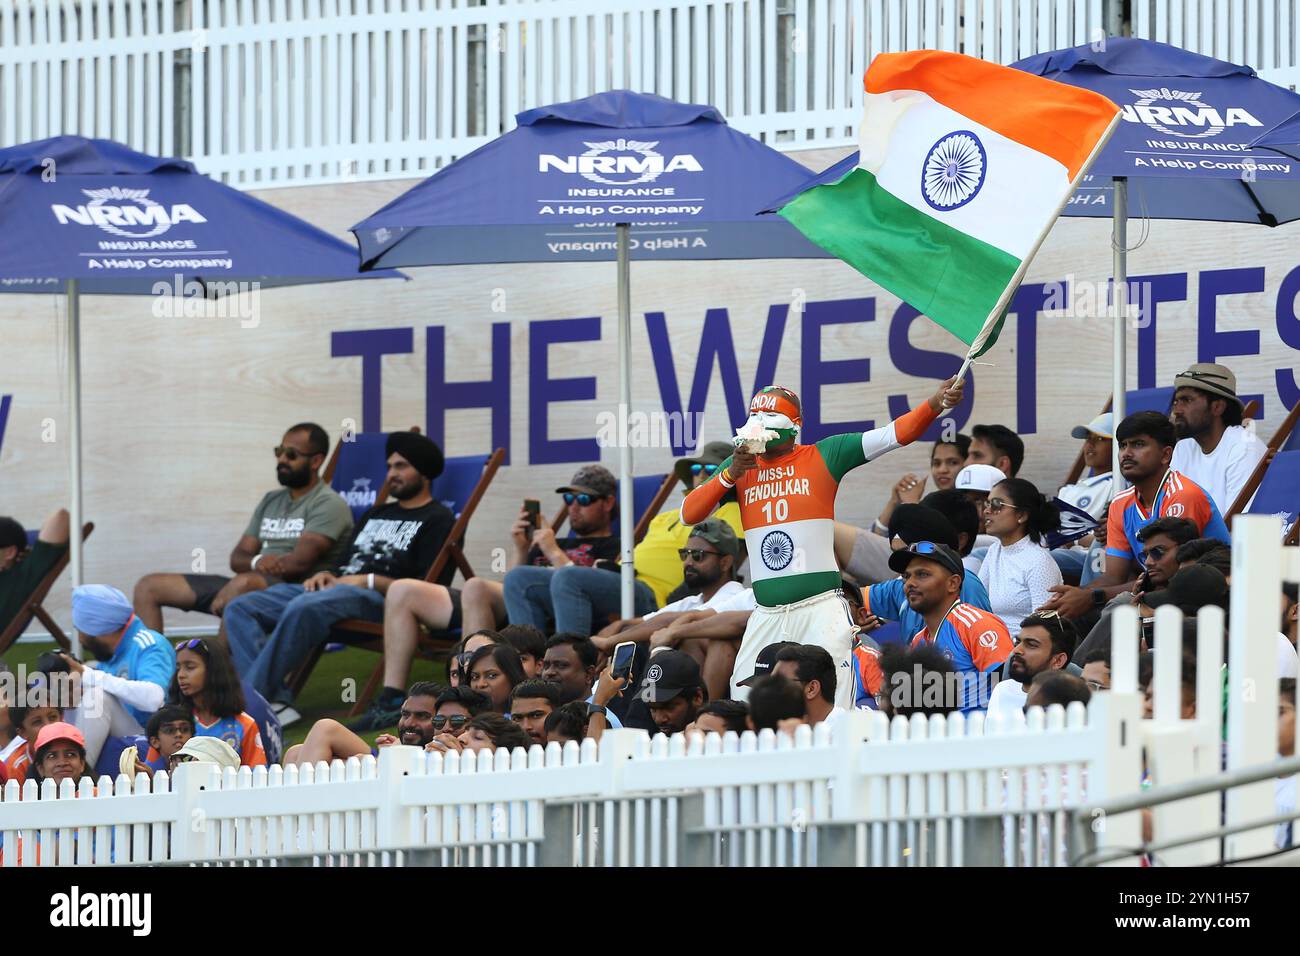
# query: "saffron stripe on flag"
[1056,119]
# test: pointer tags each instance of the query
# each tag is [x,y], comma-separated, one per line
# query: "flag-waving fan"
[963,166]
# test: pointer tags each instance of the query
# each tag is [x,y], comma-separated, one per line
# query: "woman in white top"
[1018,570]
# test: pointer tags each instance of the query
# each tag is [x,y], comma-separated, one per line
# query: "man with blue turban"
[135,667]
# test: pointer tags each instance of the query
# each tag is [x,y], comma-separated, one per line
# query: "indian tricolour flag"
[963,166]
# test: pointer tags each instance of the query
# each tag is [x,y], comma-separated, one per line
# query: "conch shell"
[753,438]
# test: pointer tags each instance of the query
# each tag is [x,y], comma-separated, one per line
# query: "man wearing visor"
[786,493]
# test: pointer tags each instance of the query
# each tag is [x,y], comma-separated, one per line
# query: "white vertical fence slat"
[296,91]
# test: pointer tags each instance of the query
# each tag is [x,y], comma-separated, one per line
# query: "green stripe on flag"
[952,278]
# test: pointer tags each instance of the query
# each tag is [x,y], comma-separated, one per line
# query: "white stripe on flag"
[1020,186]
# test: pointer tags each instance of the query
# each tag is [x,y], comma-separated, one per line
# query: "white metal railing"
[917,792]
[289,92]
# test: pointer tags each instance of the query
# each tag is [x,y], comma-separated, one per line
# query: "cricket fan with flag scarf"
[787,506]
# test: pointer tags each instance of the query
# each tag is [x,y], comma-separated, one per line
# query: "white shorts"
[823,620]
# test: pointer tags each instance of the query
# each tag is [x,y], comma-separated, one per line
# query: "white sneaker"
[285,714]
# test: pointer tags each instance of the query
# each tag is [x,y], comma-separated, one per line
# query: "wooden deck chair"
[460,487]
[1279,492]
[1144,400]
[32,607]
[1282,438]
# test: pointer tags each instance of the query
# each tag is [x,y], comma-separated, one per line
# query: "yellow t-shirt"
[656,558]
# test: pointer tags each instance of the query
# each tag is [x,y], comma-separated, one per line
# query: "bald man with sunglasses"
[295,531]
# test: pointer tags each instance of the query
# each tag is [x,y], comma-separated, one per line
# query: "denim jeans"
[271,632]
[575,597]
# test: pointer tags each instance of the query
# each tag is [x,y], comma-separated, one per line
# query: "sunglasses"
[695,554]
[194,644]
[284,451]
[1096,685]
[997,504]
[456,722]
[175,729]
[1158,552]
[581,498]
[696,468]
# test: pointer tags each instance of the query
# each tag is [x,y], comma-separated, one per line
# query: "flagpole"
[626,518]
[74,432]
[1119,249]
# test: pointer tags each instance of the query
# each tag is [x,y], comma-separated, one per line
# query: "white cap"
[1103,425]
[210,750]
[979,478]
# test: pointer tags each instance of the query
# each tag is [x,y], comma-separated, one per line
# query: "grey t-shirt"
[279,519]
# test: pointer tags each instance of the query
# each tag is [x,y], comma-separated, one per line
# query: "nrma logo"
[1190,118]
[630,160]
[129,213]
[360,495]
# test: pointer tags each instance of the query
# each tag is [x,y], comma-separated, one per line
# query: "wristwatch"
[1098,597]
[596,709]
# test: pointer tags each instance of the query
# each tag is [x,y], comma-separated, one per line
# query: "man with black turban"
[271,632]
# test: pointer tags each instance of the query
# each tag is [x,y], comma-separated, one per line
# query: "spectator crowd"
[754,608]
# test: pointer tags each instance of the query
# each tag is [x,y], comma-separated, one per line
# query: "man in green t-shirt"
[22,568]
[296,531]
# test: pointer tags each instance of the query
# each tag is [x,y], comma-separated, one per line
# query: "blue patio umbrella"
[598,179]
[1183,148]
[93,216]
[1284,138]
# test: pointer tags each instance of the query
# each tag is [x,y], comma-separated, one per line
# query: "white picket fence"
[946,791]
[923,793]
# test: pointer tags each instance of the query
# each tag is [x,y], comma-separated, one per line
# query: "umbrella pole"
[1119,249]
[626,517]
[74,432]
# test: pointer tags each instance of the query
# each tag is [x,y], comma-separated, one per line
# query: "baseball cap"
[670,673]
[1191,589]
[714,453]
[59,730]
[595,480]
[940,553]
[210,750]
[979,478]
[1103,425]
[1218,380]
[765,661]
[719,534]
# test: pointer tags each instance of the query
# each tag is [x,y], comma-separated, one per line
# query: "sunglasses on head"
[194,644]
[696,468]
[695,554]
[581,498]
[292,454]
[457,722]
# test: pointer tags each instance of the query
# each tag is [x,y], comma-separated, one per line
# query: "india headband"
[777,402]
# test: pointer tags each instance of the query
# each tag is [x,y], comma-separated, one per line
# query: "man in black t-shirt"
[21,569]
[277,628]
[524,596]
